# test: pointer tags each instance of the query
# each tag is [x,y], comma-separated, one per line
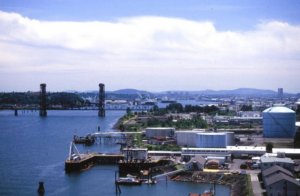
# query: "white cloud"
[151,52]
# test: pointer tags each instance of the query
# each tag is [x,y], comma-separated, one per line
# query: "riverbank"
[238,183]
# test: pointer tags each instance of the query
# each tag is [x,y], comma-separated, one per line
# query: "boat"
[129,180]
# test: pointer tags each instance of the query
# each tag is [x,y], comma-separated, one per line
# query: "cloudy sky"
[151,45]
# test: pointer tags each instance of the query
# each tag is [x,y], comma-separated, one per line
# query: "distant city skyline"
[154,46]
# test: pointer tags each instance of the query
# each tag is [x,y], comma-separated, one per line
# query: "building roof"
[278,177]
[230,149]
[160,128]
[136,149]
[276,169]
[246,148]
[190,131]
[198,159]
[214,133]
[286,150]
[278,109]
[265,159]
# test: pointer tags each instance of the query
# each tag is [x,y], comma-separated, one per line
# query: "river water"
[34,149]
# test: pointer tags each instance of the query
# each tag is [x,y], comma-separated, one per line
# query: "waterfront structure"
[43,100]
[101,111]
[279,122]
[160,132]
[135,153]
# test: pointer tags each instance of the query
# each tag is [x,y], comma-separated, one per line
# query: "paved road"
[235,167]
[256,185]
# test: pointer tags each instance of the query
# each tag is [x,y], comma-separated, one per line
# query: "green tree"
[128,111]
[175,107]
[269,147]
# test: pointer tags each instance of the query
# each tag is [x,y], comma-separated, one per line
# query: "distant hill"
[235,92]
[241,91]
[130,91]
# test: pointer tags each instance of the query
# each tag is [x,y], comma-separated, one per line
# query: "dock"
[78,162]
[88,160]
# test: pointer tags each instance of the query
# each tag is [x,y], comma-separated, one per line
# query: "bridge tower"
[43,100]
[101,111]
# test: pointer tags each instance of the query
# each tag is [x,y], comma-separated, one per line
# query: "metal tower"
[43,100]
[101,112]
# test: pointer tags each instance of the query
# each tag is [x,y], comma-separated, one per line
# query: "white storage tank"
[187,138]
[214,140]
[279,122]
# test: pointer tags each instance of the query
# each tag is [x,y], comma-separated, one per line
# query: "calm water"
[34,149]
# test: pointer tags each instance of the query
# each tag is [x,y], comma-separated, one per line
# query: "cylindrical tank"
[279,122]
[187,138]
[214,140]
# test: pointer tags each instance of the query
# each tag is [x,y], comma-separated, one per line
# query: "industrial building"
[287,152]
[269,161]
[135,153]
[202,139]
[279,181]
[160,132]
[236,151]
[279,122]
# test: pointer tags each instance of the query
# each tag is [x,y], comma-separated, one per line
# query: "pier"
[113,136]
[123,138]
[78,162]
[88,160]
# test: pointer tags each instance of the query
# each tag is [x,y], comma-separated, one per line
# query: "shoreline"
[236,182]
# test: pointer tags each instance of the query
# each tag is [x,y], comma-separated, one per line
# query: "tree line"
[31,98]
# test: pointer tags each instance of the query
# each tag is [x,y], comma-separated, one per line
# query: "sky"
[149,45]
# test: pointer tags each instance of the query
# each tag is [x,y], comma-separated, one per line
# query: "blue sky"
[152,45]
[226,15]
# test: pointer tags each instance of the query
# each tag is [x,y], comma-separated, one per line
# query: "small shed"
[196,163]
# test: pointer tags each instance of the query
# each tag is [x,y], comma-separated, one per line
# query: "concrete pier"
[88,160]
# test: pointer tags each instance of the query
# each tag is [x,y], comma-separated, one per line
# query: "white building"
[236,151]
[249,114]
